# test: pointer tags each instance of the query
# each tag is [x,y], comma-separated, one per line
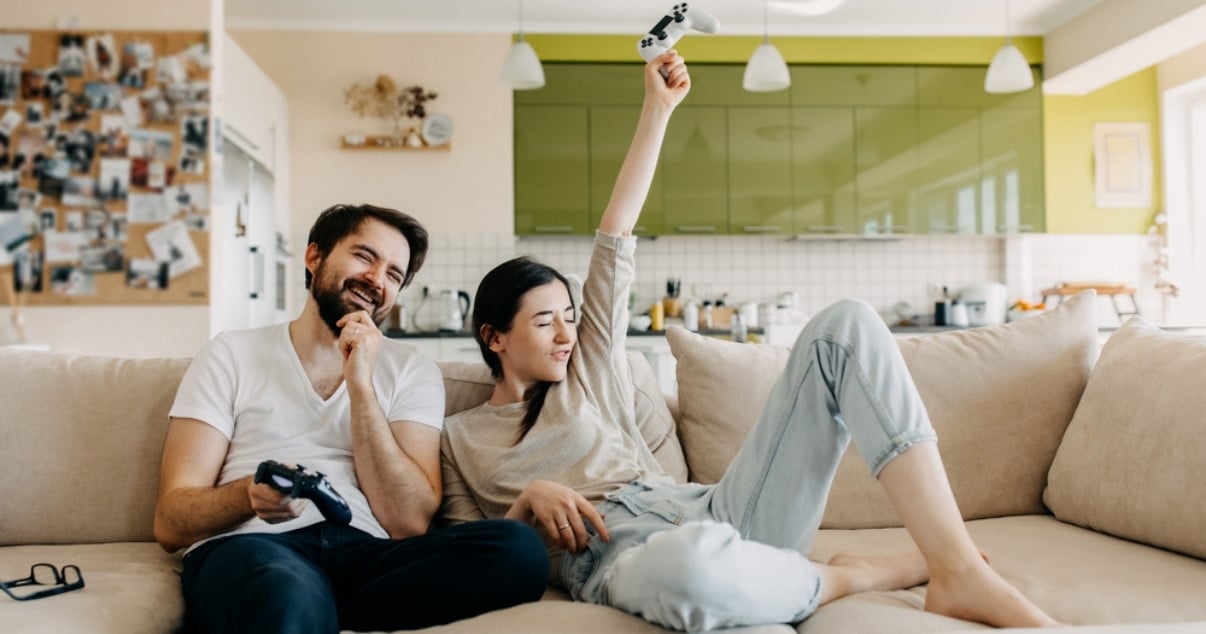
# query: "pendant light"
[1008,71]
[766,70]
[521,70]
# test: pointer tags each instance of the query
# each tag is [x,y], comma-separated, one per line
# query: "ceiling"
[737,17]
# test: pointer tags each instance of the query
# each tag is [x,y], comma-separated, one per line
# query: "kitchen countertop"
[900,330]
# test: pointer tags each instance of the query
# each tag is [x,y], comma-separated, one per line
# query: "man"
[328,391]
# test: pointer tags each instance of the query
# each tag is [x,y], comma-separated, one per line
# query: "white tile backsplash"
[882,272]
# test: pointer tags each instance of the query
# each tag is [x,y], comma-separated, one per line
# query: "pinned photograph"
[34,113]
[194,138]
[69,107]
[12,235]
[33,85]
[14,48]
[10,83]
[32,152]
[63,246]
[144,208]
[147,274]
[81,191]
[114,136]
[105,257]
[170,70]
[131,109]
[71,281]
[184,199]
[54,172]
[75,220]
[71,55]
[103,95]
[27,200]
[102,56]
[196,61]
[153,175]
[9,122]
[172,244]
[156,106]
[114,178]
[136,59]
[48,220]
[80,147]
[27,270]
[151,144]
[9,186]
[101,225]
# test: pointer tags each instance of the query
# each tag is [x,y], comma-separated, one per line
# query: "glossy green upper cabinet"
[964,86]
[1012,170]
[822,170]
[551,170]
[587,84]
[885,160]
[853,85]
[948,170]
[760,170]
[611,130]
[695,171]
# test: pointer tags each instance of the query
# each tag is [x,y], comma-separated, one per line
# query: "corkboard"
[169,93]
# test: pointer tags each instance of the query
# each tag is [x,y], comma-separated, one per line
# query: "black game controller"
[300,483]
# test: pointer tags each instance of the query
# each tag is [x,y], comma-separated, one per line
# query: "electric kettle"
[453,309]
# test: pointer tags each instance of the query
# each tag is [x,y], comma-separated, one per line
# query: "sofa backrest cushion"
[469,384]
[999,398]
[1127,463]
[82,440]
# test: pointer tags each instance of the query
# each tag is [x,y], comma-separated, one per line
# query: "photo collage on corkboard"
[104,167]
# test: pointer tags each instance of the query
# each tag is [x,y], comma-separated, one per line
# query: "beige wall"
[466,188]
[1182,69]
[126,15]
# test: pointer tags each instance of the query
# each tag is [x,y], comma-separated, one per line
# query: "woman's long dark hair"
[498,299]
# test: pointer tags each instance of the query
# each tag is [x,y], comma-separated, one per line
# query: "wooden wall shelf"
[388,143]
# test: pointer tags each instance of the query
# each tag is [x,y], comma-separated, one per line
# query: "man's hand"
[359,341]
[271,505]
[561,511]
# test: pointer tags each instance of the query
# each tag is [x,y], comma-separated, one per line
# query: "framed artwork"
[1122,165]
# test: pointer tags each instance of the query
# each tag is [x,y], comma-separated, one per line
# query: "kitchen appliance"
[985,302]
[453,308]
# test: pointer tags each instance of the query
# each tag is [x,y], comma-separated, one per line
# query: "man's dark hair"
[339,221]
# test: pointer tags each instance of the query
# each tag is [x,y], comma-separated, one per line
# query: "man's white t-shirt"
[251,387]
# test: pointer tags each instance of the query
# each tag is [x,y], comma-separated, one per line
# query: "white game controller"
[672,27]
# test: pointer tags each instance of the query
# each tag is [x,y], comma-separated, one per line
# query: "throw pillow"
[999,398]
[1125,466]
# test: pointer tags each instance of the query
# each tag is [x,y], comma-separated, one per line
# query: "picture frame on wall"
[1122,165]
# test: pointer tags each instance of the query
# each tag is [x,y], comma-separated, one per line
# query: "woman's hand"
[561,512]
[671,89]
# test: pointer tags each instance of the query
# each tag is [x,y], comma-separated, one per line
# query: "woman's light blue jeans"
[696,557]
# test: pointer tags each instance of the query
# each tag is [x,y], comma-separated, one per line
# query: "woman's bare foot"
[980,594]
[884,572]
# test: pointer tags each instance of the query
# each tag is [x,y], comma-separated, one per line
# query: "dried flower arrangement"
[384,99]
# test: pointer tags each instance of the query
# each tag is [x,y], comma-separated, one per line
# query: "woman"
[557,446]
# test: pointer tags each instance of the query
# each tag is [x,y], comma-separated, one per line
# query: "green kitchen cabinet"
[587,85]
[552,176]
[720,85]
[885,163]
[695,171]
[947,187]
[611,130]
[853,85]
[760,170]
[822,170]
[1012,170]
[947,86]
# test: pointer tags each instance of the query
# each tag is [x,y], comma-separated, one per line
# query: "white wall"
[135,331]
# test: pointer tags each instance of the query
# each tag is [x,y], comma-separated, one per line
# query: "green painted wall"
[1068,136]
[1068,121]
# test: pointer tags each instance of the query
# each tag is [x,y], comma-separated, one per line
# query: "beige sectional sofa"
[1082,476]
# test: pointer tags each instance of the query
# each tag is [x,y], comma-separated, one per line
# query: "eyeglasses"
[45,575]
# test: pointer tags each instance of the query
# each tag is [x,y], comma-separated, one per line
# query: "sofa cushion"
[1125,466]
[128,588]
[999,397]
[99,424]
[469,384]
[1078,576]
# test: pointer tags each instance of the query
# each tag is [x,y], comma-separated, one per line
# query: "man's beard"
[332,307]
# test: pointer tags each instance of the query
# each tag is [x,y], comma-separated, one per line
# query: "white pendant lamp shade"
[521,70]
[766,70]
[1008,71]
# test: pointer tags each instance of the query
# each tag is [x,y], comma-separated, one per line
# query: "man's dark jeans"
[324,578]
